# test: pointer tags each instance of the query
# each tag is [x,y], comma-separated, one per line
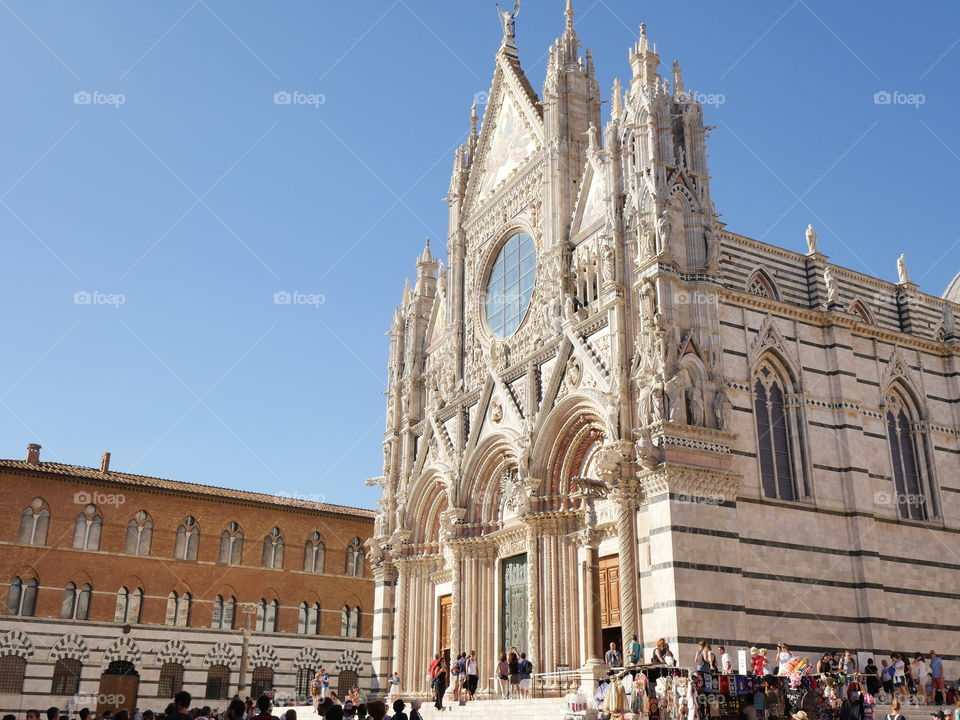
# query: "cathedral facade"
[609,415]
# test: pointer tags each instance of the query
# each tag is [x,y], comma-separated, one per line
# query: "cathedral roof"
[145,481]
[952,293]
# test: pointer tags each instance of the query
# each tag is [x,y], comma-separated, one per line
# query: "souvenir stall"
[667,693]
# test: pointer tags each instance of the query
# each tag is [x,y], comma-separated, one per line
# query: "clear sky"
[148,224]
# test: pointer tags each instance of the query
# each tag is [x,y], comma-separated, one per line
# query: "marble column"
[456,600]
[385,579]
[625,498]
[588,563]
[400,624]
[533,596]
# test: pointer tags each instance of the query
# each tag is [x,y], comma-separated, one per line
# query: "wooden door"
[514,604]
[443,631]
[117,692]
[610,591]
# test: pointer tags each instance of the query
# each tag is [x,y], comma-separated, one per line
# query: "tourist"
[886,677]
[848,664]
[323,706]
[513,665]
[334,698]
[357,696]
[899,676]
[783,657]
[472,676]
[726,664]
[250,707]
[205,713]
[33,715]
[290,714]
[415,705]
[263,706]
[349,709]
[526,673]
[835,662]
[324,682]
[503,674]
[394,683]
[398,713]
[761,665]
[871,677]
[668,658]
[920,674]
[315,689]
[181,706]
[938,688]
[334,712]
[9,717]
[137,715]
[236,710]
[823,664]
[894,713]
[634,651]
[612,656]
[659,648]
[700,660]
[377,709]
[455,677]
[440,675]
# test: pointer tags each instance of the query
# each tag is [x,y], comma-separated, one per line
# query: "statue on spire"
[509,20]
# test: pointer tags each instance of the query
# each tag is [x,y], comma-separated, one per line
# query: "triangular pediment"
[590,211]
[511,134]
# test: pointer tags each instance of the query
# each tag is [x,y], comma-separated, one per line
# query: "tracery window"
[188,540]
[86,529]
[128,606]
[510,284]
[178,609]
[313,553]
[308,619]
[22,597]
[268,615]
[76,602]
[224,611]
[354,558]
[139,534]
[34,522]
[231,545]
[780,444]
[273,550]
[909,457]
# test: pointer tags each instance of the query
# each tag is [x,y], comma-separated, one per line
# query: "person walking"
[700,660]
[472,677]
[394,686]
[513,665]
[634,651]
[440,684]
[872,677]
[920,674]
[503,674]
[938,687]
[783,657]
[899,677]
[726,664]
[526,674]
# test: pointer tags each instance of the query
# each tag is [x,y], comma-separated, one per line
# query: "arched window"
[76,603]
[178,609]
[86,529]
[218,682]
[779,435]
[345,682]
[268,615]
[908,456]
[350,622]
[171,680]
[223,612]
[231,545]
[308,618]
[22,598]
[273,550]
[302,619]
[262,681]
[139,534]
[762,285]
[305,677]
[33,523]
[12,670]
[128,606]
[188,540]
[354,559]
[313,551]
[355,623]
[66,677]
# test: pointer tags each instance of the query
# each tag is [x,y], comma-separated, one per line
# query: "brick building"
[124,585]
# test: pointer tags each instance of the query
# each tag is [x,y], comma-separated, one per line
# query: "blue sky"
[146,232]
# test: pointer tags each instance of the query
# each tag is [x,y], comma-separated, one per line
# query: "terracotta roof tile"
[76,471]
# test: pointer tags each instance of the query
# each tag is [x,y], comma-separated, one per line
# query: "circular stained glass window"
[510,285]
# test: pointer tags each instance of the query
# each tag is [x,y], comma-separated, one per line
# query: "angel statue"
[508,20]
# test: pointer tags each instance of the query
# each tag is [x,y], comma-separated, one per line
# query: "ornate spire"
[569,13]
[644,61]
[473,120]
[569,44]
[617,108]
[425,256]
[678,89]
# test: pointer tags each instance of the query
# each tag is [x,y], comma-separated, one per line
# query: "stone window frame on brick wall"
[910,449]
[231,545]
[261,680]
[314,553]
[350,621]
[308,618]
[34,522]
[762,284]
[273,546]
[129,605]
[218,682]
[76,601]
[782,456]
[354,556]
[268,615]
[13,669]
[87,528]
[178,609]
[139,534]
[22,597]
[170,681]
[66,676]
[187,544]
[224,612]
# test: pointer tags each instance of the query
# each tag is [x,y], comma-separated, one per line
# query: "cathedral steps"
[533,709]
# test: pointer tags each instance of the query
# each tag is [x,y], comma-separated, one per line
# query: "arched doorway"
[118,687]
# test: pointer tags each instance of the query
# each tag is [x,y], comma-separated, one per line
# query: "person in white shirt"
[726,664]
[783,657]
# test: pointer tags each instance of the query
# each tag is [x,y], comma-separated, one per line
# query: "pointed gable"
[512,130]
[590,205]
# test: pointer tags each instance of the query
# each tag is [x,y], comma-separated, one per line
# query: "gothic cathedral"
[609,415]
